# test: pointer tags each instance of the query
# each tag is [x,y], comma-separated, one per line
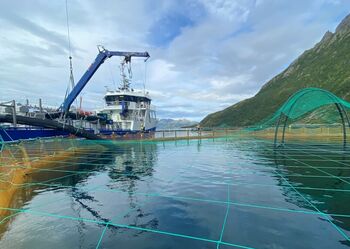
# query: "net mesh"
[305,107]
[150,194]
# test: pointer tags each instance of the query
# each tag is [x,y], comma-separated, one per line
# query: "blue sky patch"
[167,28]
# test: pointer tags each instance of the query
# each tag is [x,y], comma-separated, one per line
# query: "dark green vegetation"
[326,65]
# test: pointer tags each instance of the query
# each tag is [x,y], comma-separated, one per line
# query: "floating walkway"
[51,124]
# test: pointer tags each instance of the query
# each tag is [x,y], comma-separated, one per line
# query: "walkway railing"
[193,133]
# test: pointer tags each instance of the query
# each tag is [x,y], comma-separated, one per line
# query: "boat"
[130,111]
[127,112]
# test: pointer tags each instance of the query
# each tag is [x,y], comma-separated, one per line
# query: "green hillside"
[326,65]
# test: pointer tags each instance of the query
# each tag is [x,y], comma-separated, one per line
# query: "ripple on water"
[185,194]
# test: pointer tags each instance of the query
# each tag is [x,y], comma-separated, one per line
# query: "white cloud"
[232,10]
[160,72]
[224,54]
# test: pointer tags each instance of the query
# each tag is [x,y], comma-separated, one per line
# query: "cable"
[112,76]
[71,75]
[144,81]
[68,31]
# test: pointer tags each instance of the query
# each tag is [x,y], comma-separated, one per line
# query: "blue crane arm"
[100,58]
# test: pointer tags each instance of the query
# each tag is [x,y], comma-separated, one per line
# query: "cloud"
[35,29]
[230,10]
[205,55]
[160,71]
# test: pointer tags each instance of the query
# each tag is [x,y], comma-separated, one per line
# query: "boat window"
[113,98]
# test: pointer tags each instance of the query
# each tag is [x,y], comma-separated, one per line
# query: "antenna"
[144,81]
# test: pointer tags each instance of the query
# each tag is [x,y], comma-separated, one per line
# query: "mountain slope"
[326,65]
[170,124]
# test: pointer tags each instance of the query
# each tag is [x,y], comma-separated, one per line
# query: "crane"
[100,58]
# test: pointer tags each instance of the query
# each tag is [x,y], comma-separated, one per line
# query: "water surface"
[214,193]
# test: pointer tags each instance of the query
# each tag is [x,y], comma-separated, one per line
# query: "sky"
[205,55]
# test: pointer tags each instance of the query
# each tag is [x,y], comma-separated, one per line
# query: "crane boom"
[100,58]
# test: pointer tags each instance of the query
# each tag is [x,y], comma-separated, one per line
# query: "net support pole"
[276,131]
[346,116]
[14,115]
[343,115]
[284,128]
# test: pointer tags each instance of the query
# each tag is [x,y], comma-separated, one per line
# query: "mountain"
[171,124]
[326,65]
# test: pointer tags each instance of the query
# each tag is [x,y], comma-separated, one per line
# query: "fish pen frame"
[342,113]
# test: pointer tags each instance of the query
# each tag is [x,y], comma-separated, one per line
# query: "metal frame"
[342,113]
[343,116]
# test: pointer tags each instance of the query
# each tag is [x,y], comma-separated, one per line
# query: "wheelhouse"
[118,99]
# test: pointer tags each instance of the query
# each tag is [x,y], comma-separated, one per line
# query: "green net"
[305,102]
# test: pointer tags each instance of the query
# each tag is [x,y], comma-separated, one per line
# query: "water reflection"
[134,162]
[117,165]
[141,190]
[321,174]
